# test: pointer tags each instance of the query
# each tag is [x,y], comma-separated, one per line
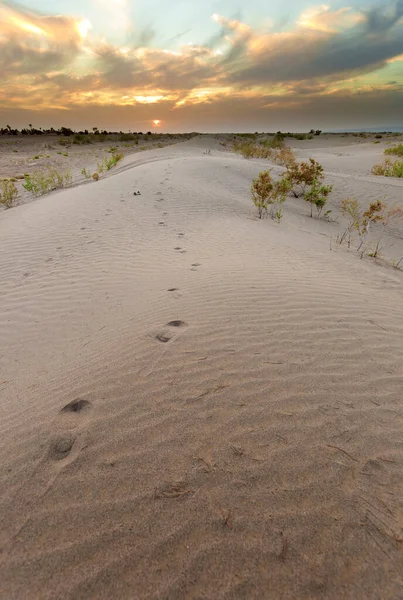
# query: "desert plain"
[194,402]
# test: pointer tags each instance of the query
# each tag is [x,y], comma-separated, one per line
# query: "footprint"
[161,223]
[76,406]
[163,337]
[173,289]
[196,265]
[61,446]
[166,335]
[176,323]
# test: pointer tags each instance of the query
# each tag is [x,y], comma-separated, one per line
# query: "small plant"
[8,193]
[37,157]
[317,196]
[302,175]
[80,139]
[44,182]
[389,168]
[85,173]
[261,189]
[360,221]
[284,156]
[395,150]
[95,177]
[65,154]
[266,193]
[107,163]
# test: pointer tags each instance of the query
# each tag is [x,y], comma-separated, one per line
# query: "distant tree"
[66,131]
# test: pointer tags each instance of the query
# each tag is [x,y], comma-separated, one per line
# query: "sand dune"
[194,403]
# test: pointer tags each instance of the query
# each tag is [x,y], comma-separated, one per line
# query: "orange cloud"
[54,61]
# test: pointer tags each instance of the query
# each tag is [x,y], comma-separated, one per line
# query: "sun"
[157,122]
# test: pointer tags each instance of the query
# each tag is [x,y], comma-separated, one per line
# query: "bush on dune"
[302,175]
[395,150]
[389,168]
[360,221]
[108,162]
[8,193]
[266,192]
[317,196]
[46,181]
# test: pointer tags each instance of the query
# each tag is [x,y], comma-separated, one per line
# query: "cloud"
[31,43]
[319,47]
[56,61]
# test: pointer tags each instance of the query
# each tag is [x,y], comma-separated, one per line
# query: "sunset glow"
[121,59]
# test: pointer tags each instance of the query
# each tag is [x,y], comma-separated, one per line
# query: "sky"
[201,65]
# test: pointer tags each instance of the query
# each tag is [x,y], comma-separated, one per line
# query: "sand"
[195,403]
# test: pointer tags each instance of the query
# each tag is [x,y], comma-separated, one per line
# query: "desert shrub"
[263,149]
[46,181]
[267,193]
[360,220]
[281,189]
[395,150]
[261,189]
[378,137]
[389,168]
[317,196]
[81,139]
[95,177]
[85,173]
[128,137]
[108,162]
[8,193]
[284,156]
[303,174]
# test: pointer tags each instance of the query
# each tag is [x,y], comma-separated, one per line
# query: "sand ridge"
[193,403]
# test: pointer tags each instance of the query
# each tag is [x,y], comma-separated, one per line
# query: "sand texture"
[195,404]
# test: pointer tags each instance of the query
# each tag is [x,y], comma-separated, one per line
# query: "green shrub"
[43,182]
[8,193]
[303,174]
[389,168]
[360,220]
[85,173]
[317,196]
[107,163]
[395,150]
[267,193]
[81,139]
